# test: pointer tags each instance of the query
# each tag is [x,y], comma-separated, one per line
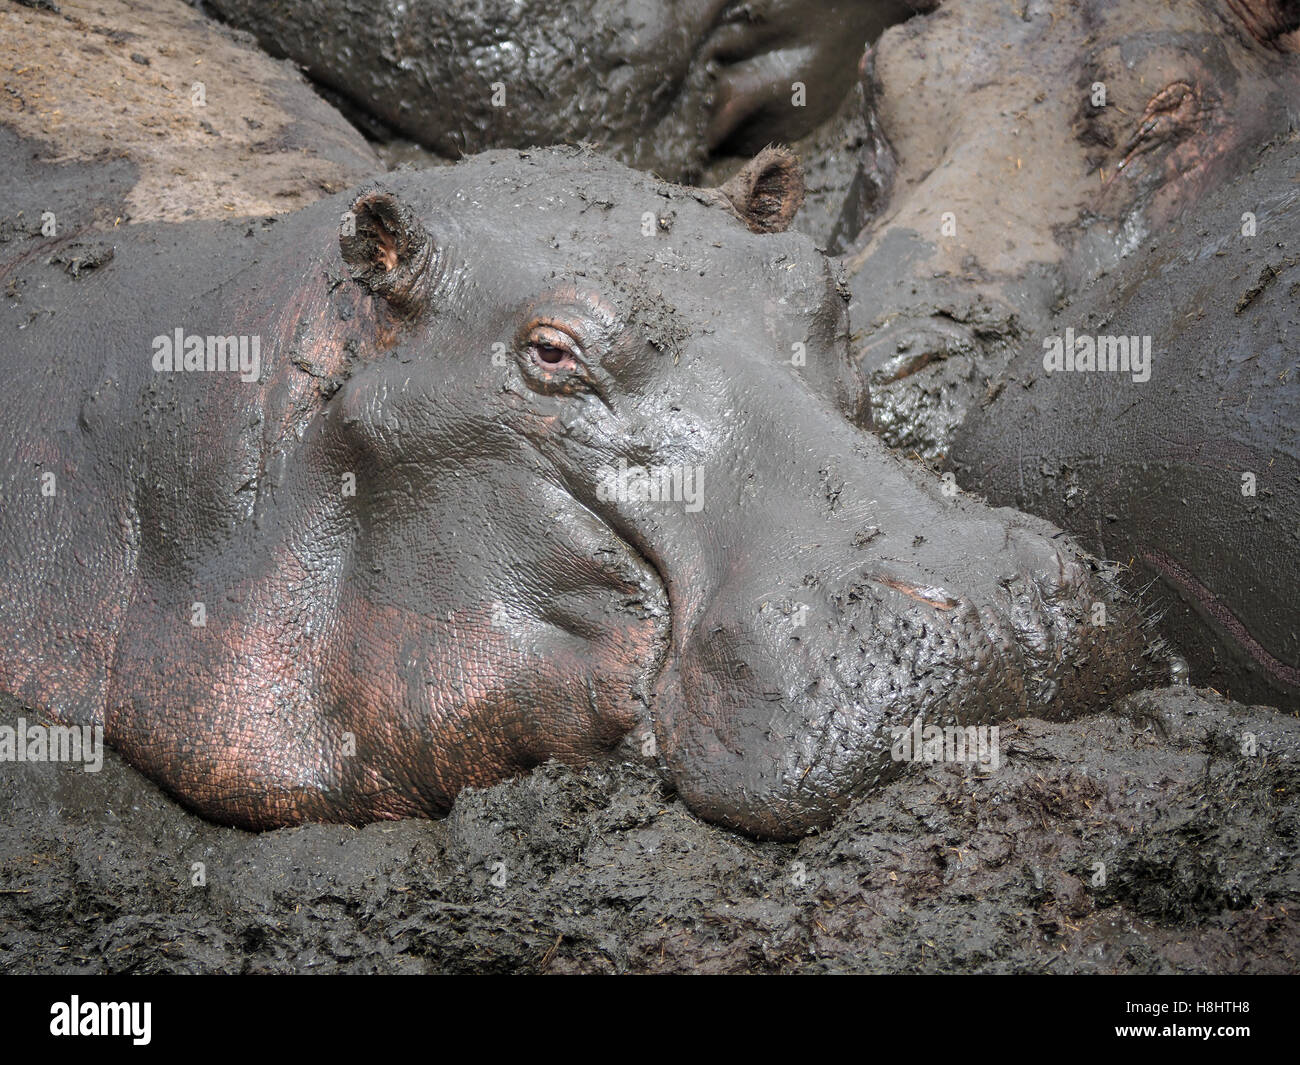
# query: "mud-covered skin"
[172,116]
[989,125]
[658,84]
[1193,475]
[482,603]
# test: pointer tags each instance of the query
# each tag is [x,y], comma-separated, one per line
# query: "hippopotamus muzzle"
[813,619]
[557,454]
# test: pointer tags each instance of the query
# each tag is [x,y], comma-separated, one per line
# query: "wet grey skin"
[657,84]
[416,573]
[1193,473]
[1120,181]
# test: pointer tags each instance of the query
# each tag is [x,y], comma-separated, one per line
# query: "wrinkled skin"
[1156,471]
[657,84]
[986,111]
[473,359]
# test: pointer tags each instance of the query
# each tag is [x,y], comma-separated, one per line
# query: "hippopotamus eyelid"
[566,374]
[550,333]
[592,328]
[547,341]
[579,311]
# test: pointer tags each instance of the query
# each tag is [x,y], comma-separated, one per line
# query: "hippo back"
[1191,477]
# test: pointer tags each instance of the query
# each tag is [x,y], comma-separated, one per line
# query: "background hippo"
[991,197]
[1017,151]
[1189,468]
[658,84]
[571,451]
[171,116]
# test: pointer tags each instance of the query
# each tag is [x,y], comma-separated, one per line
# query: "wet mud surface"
[600,870]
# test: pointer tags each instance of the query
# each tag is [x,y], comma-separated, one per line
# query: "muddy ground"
[603,870]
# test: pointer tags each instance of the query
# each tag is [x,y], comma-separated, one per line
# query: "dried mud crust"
[944,870]
[106,81]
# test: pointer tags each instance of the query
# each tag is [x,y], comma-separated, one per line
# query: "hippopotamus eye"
[553,350]
[550,356]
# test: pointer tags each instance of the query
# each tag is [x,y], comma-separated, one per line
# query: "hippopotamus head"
[656,83]
[610,469]
[534,454]
[1025,149]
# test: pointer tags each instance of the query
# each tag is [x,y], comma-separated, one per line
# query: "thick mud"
[1143,841]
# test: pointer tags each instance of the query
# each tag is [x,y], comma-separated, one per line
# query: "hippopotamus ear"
[767,192]
[387,248]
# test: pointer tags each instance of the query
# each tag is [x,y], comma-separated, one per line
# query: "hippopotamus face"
[579,451]
[656,83]
[615,469]
[1028,148]
[674,400]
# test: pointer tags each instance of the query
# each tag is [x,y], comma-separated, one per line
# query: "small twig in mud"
[546,958]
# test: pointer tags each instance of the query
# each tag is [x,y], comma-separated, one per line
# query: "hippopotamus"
[989,200]
[658,84]
[1158,419]
[332,515]
[1018,151]
[172,115]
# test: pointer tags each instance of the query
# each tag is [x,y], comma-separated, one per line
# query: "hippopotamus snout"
[853,595]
